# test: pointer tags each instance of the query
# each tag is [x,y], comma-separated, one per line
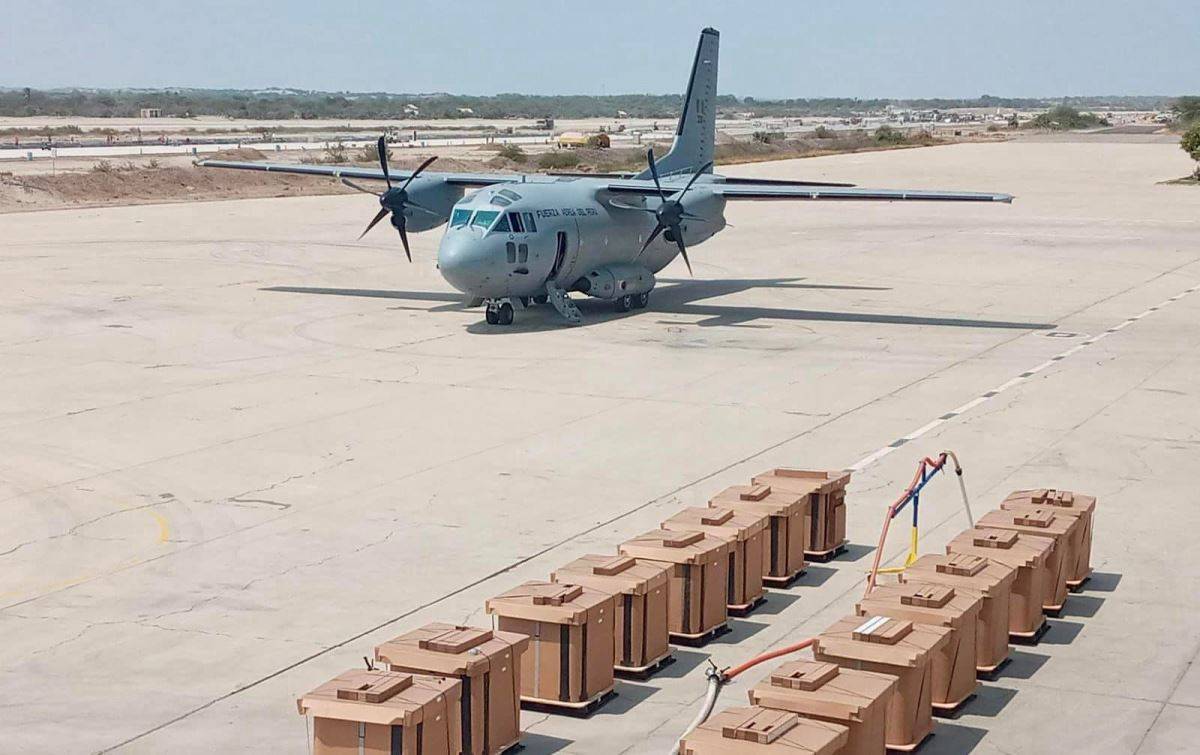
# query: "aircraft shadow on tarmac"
[678,297]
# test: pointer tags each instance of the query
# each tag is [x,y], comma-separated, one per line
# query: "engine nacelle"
[433,194]
[616,280]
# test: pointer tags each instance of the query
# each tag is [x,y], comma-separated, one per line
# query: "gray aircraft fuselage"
[577,233]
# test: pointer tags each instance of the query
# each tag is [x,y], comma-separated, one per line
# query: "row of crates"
[558,644]
[919,646]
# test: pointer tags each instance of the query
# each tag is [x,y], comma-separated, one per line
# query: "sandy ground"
[238,451]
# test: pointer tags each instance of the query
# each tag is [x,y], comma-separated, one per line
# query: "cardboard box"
[699,575]
[944,606]
[900,648]
[787,526]
[826,492]
[571,629]
[746,531]
[1027,554]
[640,589]
[750,731]
[382,712]
[991,580]
[1067,502]
[486,662]
[855,699]
[1045,523]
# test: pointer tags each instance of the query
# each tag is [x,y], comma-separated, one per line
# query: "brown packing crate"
[939,605]
[750,731]
[1025,553]
[1041,522]
[787,526]
[487,662]
[382,712]
[826,491]
[991,580]
[908,658]
[640,589]
[571,629]
[1066,502]
[824,691]
[699,575]
[745,530]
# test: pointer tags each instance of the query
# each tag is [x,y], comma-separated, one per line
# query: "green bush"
[1187,109]
[768,137]
[824,132]
[513,152]
[557,160]
[1190,143]
[1064,118]
[888,135]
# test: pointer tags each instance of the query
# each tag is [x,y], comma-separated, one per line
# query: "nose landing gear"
[499,313]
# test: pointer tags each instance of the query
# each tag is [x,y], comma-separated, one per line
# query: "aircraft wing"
[767,191]
[349,171]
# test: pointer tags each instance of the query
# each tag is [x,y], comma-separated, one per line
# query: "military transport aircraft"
[521,240]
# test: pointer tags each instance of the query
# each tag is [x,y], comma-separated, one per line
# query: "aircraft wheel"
[625,303]
[491,317]
[641,300]
[504,315]
[541,299]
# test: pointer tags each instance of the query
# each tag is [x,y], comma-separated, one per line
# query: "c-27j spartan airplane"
[523,240]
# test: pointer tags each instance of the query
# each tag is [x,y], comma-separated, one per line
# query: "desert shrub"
[888,135]
[1190,143]
[768,137]
[824,132]
[513,152]
[104,166]
[558,160]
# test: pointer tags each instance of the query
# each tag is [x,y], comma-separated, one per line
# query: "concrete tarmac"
[239,449]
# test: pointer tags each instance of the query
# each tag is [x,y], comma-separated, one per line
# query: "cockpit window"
[530,226]
[514,220]
[483,218]
[502,226]
[514,196]
[460,218]
[501,201]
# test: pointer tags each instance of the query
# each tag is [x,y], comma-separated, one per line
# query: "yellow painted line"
[164,526]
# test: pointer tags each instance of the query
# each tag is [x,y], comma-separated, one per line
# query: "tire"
[641,300]
[504,315]
[625,303]
[539,300]
[491,317]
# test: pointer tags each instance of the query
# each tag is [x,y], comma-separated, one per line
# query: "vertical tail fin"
[696,132]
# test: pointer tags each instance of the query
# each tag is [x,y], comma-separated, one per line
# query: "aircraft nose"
[467,264]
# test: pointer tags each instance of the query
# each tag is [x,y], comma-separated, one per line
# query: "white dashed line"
[867,461]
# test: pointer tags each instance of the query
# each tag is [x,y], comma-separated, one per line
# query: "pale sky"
[847,48]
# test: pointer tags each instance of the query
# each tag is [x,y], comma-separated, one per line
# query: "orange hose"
[891,511]
[730,673]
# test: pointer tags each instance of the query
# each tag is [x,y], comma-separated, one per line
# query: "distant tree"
[888,135]
[1187,109]
[1065,117]
[1190,143]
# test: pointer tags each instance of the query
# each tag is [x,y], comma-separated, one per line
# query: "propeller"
[395,200]
[671,212]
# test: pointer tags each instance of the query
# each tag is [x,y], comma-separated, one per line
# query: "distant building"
[466,111]
[151,112]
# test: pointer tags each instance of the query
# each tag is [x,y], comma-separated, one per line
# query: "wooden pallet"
[991,673]
[699,640]
[641,673]
[746,608]
[951,710]
[568,708]
[514,747]
[826,556]
[1076,585]
[1030,638]
[782,583]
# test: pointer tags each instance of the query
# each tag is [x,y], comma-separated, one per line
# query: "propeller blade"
[355,186]
[381,146]
[657,230]
[380,216]
[682,249]
[400,226]
[417,172]
[411,205]
[694,177]
[654,172]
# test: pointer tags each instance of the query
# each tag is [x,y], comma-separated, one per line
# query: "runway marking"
[164,526]
[875,456]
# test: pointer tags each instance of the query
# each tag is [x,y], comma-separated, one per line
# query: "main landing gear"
[499,313]
[632,301]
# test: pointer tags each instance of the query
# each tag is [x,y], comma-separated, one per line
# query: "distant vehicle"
[523,240]
[544,124]
[575,140]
